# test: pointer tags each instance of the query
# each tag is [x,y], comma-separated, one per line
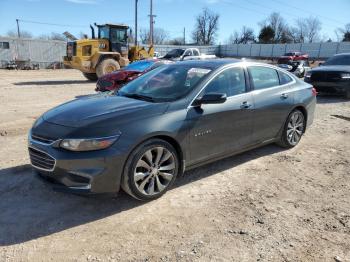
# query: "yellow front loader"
[107,52]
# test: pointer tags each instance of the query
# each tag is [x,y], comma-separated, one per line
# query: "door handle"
[245,105]
[284,96]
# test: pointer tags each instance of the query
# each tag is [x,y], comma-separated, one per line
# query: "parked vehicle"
[333,76]
[180,54]
[11,65]
[298,68]
[105,53]
[117,79]
[169,120]
[292,56]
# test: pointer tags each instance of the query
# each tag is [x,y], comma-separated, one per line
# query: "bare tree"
[299,32]
[246,36]
[278,24]
[206,27]
[313,28]
[52,36]
[24,34]
[159,36]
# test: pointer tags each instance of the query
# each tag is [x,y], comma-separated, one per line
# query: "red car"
[292,56]
[116,79]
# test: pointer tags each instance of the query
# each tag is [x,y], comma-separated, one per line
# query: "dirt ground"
[264,205]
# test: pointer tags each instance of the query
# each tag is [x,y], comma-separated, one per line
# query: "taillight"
[314,91]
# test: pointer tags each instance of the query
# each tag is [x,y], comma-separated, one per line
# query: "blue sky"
[172,15]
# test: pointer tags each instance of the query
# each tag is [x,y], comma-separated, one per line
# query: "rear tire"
[293,129]
[107,66]
[150,170]
[90,76]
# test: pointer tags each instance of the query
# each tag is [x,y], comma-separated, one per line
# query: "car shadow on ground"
[52,82]
[328,99]
[30,209]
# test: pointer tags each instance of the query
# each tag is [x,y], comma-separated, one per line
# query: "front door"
[222,128]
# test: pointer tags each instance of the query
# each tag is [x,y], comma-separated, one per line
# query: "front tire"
[293,129]
[107,66]
[91,76]
[150,170]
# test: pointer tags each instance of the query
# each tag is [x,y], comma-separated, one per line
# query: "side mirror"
[211,98]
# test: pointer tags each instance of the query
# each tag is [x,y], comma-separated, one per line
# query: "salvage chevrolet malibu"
[172,119]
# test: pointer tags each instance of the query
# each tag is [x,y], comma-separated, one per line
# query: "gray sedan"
[169,120]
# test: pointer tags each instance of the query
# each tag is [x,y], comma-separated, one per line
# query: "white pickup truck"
[181,54]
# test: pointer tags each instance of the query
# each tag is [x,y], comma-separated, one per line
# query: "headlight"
[308,74]
[345,76]
[88,144]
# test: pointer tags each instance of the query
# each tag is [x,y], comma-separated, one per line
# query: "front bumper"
[341,86]
[92,172]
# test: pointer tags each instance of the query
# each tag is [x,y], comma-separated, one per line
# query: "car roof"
[209,63]
[342,54]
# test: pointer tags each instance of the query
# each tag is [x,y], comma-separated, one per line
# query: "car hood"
[120,75]
[335,68]
[100,110]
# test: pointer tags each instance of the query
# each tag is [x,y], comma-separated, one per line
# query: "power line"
[308,11]
[284,12]
[44,23]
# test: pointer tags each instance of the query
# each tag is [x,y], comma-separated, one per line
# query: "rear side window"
[230,82]
[284,78]
[195,52]
[263,77]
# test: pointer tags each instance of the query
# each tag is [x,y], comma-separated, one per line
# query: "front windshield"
[175,53]
[104,32]
[338,60]
[139,66]
[166,83]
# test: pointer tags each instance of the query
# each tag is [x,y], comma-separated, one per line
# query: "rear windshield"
[338,60]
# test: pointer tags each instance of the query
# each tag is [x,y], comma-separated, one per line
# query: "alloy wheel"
[295,128]
[154,171]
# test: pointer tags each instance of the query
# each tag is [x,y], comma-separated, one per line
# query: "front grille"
[43,139]
[41,160]
[325,76]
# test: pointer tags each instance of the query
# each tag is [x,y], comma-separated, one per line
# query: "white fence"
[45,52]
[315,50]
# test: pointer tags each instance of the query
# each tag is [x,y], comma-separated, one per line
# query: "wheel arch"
[303,110]
[167,138]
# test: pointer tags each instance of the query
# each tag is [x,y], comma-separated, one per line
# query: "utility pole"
[184,35]
[136,2]
[18,32]
[151,24]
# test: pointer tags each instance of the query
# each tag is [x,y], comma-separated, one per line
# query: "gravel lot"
[264,205]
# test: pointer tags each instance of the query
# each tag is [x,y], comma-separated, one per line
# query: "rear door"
[273,100]
[226,127]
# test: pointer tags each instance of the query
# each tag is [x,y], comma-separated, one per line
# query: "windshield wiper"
[138,96]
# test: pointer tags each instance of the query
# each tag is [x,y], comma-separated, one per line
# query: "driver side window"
[230,82]
[188,53]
